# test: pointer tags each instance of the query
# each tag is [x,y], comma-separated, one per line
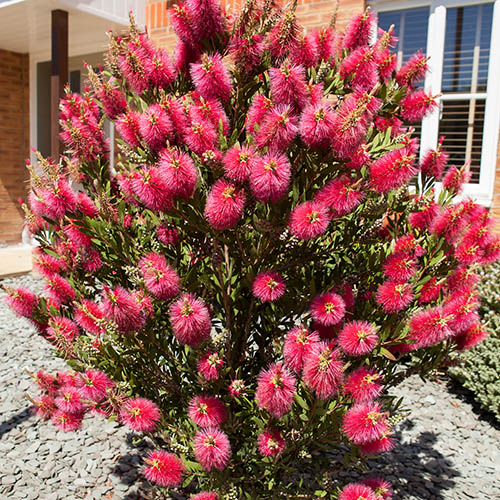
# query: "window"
[462,39]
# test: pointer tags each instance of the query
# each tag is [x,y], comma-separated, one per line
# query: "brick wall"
[14,142]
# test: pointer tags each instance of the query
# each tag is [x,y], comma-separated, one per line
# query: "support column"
[59,75]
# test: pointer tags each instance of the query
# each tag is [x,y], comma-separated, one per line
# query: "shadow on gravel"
[14,421]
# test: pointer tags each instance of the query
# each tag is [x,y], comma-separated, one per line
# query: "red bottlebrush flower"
[469,338]
[363,384]
[325,332]
[155,127]
[160,279]
[364,423]
[413,70]
[22,301]
[416,105]
[77,238]
[168,235]
[66,421]
[328,309]
[112,99]
[358,338]
[201,136]
[46,382]
[279,128]
[120,306]
[140,414]
[359,158]
[380,487]
[299,343]
[340,196]
[209,20]
[434,161]
[455,178]
[306,52]
[94,384]
[238,162]
[127,126]
[69,400]
[270,177]
[59,199]
[270,442]
[362,67]
[225,204]
[135,65]
[190,319]
[206,495]
[179,173]
[394,296]
[211,78]
[325,43]
[164,469]
[450,222]
[429,292]
[357,491]
[400,266]
[323,370]
[359,30]
[212,449]
[89,317]
[430,327]
[316,125]
[288,85]
[207,411]
[86,205]
[383,123]
[257,111]
[62,327]
[275,390]
[150,189]
[60,289]
[268,286]
[423,218]
[210,365]
[161,72]
[385,443]
[237,388]
[393,170]
[309,220]
[44,407]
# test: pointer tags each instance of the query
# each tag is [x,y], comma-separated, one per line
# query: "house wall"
[14,142]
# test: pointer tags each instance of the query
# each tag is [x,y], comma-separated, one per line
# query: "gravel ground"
[444,449]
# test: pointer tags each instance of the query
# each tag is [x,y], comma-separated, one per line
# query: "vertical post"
[59,75]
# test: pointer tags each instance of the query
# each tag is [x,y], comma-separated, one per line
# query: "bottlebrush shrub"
[241,283]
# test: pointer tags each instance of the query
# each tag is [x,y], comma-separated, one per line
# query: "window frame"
[483,191]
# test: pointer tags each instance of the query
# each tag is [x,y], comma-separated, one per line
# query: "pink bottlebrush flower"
[211,78]
[279,128]
[491,252]
[270,177]
[69,400]
[238,162]
[363,384]
[380,487]
[210,110]
[207,411]
[400,266]
[168,235]
[326,332]
[382,445]
[405,244]
[468,252]
[323,370]
[184,55]
[288,85]
[325,43]
[429,292]
[306,52]
[247,52]
[383,123]
[112,100]
[359,30]
[358,338]
[461,279]
[176,113]
[386,64]
[359,158]
[365,422]
[309,220]
[393,170]
[225,204]
[316,125]
[22,301]
[46,382]
[86,205]
[212,449]
[160,279]
[94,384]
[161,72]
[66,421]
[59,199]
[164,469]
[135,65]
[268,286]
[423,218]
[270,442]
[283,37]
[62,327]
[413,70]
[59,289]
[328,309]
[455,178]
[91,260]
[434,161]
[190,319]
[127,126]
[357,491]
[470,337]
[258,110]
[463,311]
[449,222]
[210,365]
[201,136]
[181,18]
[140,414]
[361,66]
[149,187]
[340,196]
[66,379]
[416,105]
[77,238]
[346,292]
[237,388]
[429,327]
[44,407]
[275,390]
[299,343]
[155,127]
[209,19]
[394,296]
[206,495]
[120,306]
[89,317]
